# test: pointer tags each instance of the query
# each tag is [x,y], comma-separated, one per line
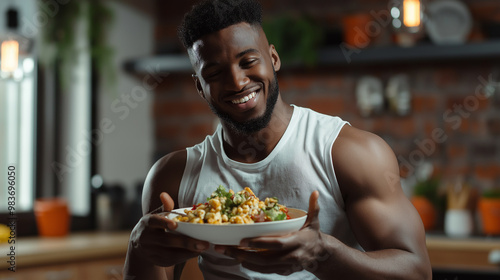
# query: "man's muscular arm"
[383,220]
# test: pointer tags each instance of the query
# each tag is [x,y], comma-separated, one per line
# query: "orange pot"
[52,216]
[357,32]
[489,209]
[426,210]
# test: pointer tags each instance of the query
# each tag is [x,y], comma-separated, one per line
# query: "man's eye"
[212,75]
[248,63]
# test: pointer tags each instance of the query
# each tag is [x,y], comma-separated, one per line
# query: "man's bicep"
[379,213]
[385,223]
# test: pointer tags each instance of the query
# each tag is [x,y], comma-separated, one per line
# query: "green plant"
[100,16]
[430,189]
[296,38]
[59,46]
[492,193]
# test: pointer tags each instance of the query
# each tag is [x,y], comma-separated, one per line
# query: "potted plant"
[458,221]
[59,45]
[489,210]
[428,202]
[283,30]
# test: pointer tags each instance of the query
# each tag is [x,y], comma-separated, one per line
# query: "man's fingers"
[285,242]
[285,269]
[172,239]
[181,242]
[158,221]
[167,201]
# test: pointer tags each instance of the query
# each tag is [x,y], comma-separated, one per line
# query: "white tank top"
[300,163]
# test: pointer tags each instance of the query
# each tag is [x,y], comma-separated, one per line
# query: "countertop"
[471,253]
[34,251]
[466,243]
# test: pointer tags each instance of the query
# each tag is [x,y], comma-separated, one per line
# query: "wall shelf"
[338,56]
[167,63]
[417,53]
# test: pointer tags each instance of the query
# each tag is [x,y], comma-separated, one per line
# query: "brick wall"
[450,124]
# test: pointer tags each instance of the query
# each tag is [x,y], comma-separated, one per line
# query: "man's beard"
[256,124]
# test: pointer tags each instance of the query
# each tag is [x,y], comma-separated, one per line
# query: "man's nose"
[237,80]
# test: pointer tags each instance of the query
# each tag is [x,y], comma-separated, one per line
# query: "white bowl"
[232,234]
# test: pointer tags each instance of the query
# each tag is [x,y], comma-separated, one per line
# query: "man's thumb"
[313,212]
[167,201]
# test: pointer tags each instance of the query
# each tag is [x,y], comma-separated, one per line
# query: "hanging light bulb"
[9,50]
[9,55]
[407,21]
[411,13]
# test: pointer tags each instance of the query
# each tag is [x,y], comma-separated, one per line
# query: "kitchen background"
[431,91]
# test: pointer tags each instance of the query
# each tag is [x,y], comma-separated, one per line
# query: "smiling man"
[359,225]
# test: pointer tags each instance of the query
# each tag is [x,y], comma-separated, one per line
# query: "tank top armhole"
[330,168]
[186,178]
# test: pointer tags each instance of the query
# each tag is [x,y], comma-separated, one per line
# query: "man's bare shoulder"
[354,139]
[362,160]
[170,162]
[164,176]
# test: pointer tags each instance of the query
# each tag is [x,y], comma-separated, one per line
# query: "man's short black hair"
[213,15]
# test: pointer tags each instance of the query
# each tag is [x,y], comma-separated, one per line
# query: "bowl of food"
[228,217]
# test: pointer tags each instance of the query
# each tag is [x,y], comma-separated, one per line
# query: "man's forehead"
[235,37]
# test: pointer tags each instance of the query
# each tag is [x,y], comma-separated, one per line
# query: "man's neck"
[257,146]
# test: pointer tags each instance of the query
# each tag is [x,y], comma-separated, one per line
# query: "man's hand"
[154,238]
[283,254]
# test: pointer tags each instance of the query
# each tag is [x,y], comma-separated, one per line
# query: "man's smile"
[244,99]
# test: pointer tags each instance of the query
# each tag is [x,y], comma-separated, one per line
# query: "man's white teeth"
[244,99]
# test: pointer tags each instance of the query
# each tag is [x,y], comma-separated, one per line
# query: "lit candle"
[411,13]
[9,55]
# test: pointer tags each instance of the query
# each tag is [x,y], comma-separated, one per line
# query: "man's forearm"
[342,262]
[137,268]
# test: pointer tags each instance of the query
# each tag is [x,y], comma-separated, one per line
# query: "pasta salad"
[228,207]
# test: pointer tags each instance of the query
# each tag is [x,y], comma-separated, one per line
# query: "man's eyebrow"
[239,55]
[246,52]
[208,66]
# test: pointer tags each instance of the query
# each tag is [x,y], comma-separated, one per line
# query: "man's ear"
[197,84]
[275,57]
